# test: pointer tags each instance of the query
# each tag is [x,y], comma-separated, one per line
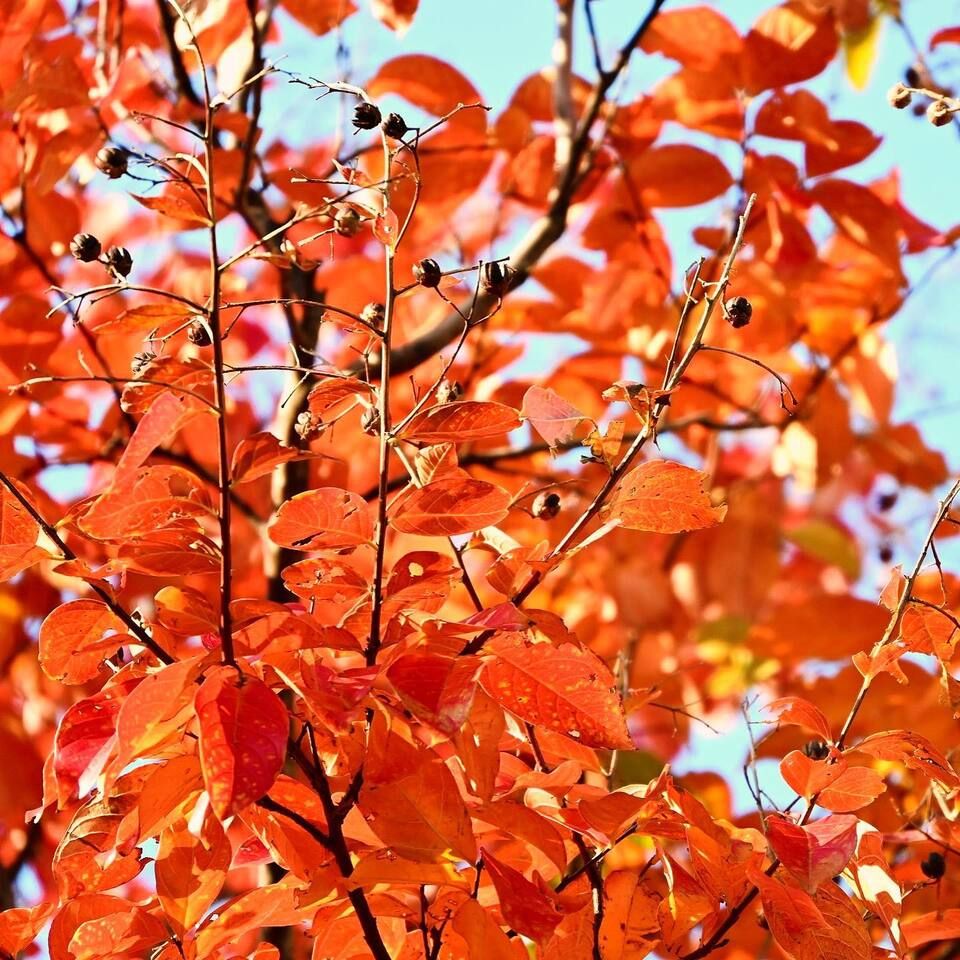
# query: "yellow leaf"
[860,52]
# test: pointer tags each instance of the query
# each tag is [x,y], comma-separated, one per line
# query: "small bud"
[885,553]
[308,425]
[427,272]
[886,501]
[374,314]
[395,126]
[112,161]
[366,115]
[495,278]
[738,310]
[939,113]
[545,506]
[347,222]
[197,333]
[370,421]
[449,391]
[85,247]
[935,866]
[141,360]
[899,96]
[816,749]
[119,261]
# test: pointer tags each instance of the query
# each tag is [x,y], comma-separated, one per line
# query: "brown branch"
[137,629]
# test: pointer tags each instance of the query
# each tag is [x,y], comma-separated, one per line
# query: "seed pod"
[347,222]
[395,126]
[495,278]
[112,161]
[885,553]
[449,391]
[816,749]
[912,77]
[370,421]
[366,115]
[141,360]
[427,272]
[545,505]
[308,425]
[197,333]
[899,96]
[119,261]
[939,113]
[738,311]
[935,866]
[886,500]
[374,314]
[85,247]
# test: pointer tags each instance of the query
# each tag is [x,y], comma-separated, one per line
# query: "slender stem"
[137,629]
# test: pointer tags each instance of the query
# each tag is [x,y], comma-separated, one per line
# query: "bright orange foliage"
[327,645]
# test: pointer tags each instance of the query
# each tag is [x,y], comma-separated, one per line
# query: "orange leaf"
[679,175]
[243,738]
[257,455]
[671,30]
[459,422]
[320,16]
[794,710]
[630,926]
[191,870]
[814,853]
[325,519]
[396,14]
[449,506]
[566,689]
[914,750]
[663,497]
[420,816]
[551,416]
[72,644]
[18,536]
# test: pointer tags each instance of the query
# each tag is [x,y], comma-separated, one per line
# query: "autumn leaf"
[449,506]
[243,738]
[324,519]
[663,497]
[460,422]
[566,689]
[816,852]
[256,456]
[556,420]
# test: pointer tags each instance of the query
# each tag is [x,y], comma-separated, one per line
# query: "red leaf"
[814,853]
[320,16]
[18,535]
[243,738]
[663,497]
[914,750]
[528,908]
[325,519]
[566,689]
[933,926]
[946,35]
[396,14]
[679,175]
[449,506]
[459,422]
[552,417]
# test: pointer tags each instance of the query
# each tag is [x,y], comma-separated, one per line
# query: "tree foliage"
[329,630]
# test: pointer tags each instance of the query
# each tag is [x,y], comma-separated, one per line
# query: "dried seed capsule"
[119,261]
[308,425]
[427,272]
[347,222]
[370,421]
[885,553]
[495,278]
[112,161]
[141,360]
[366,115]
[899,96]
[816,749]
[939,113]
[545,506]
[374,314]
[85,247]
[197,333]
[886,500]
[935,866]
[395,126]
[449,391]
[739,310]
